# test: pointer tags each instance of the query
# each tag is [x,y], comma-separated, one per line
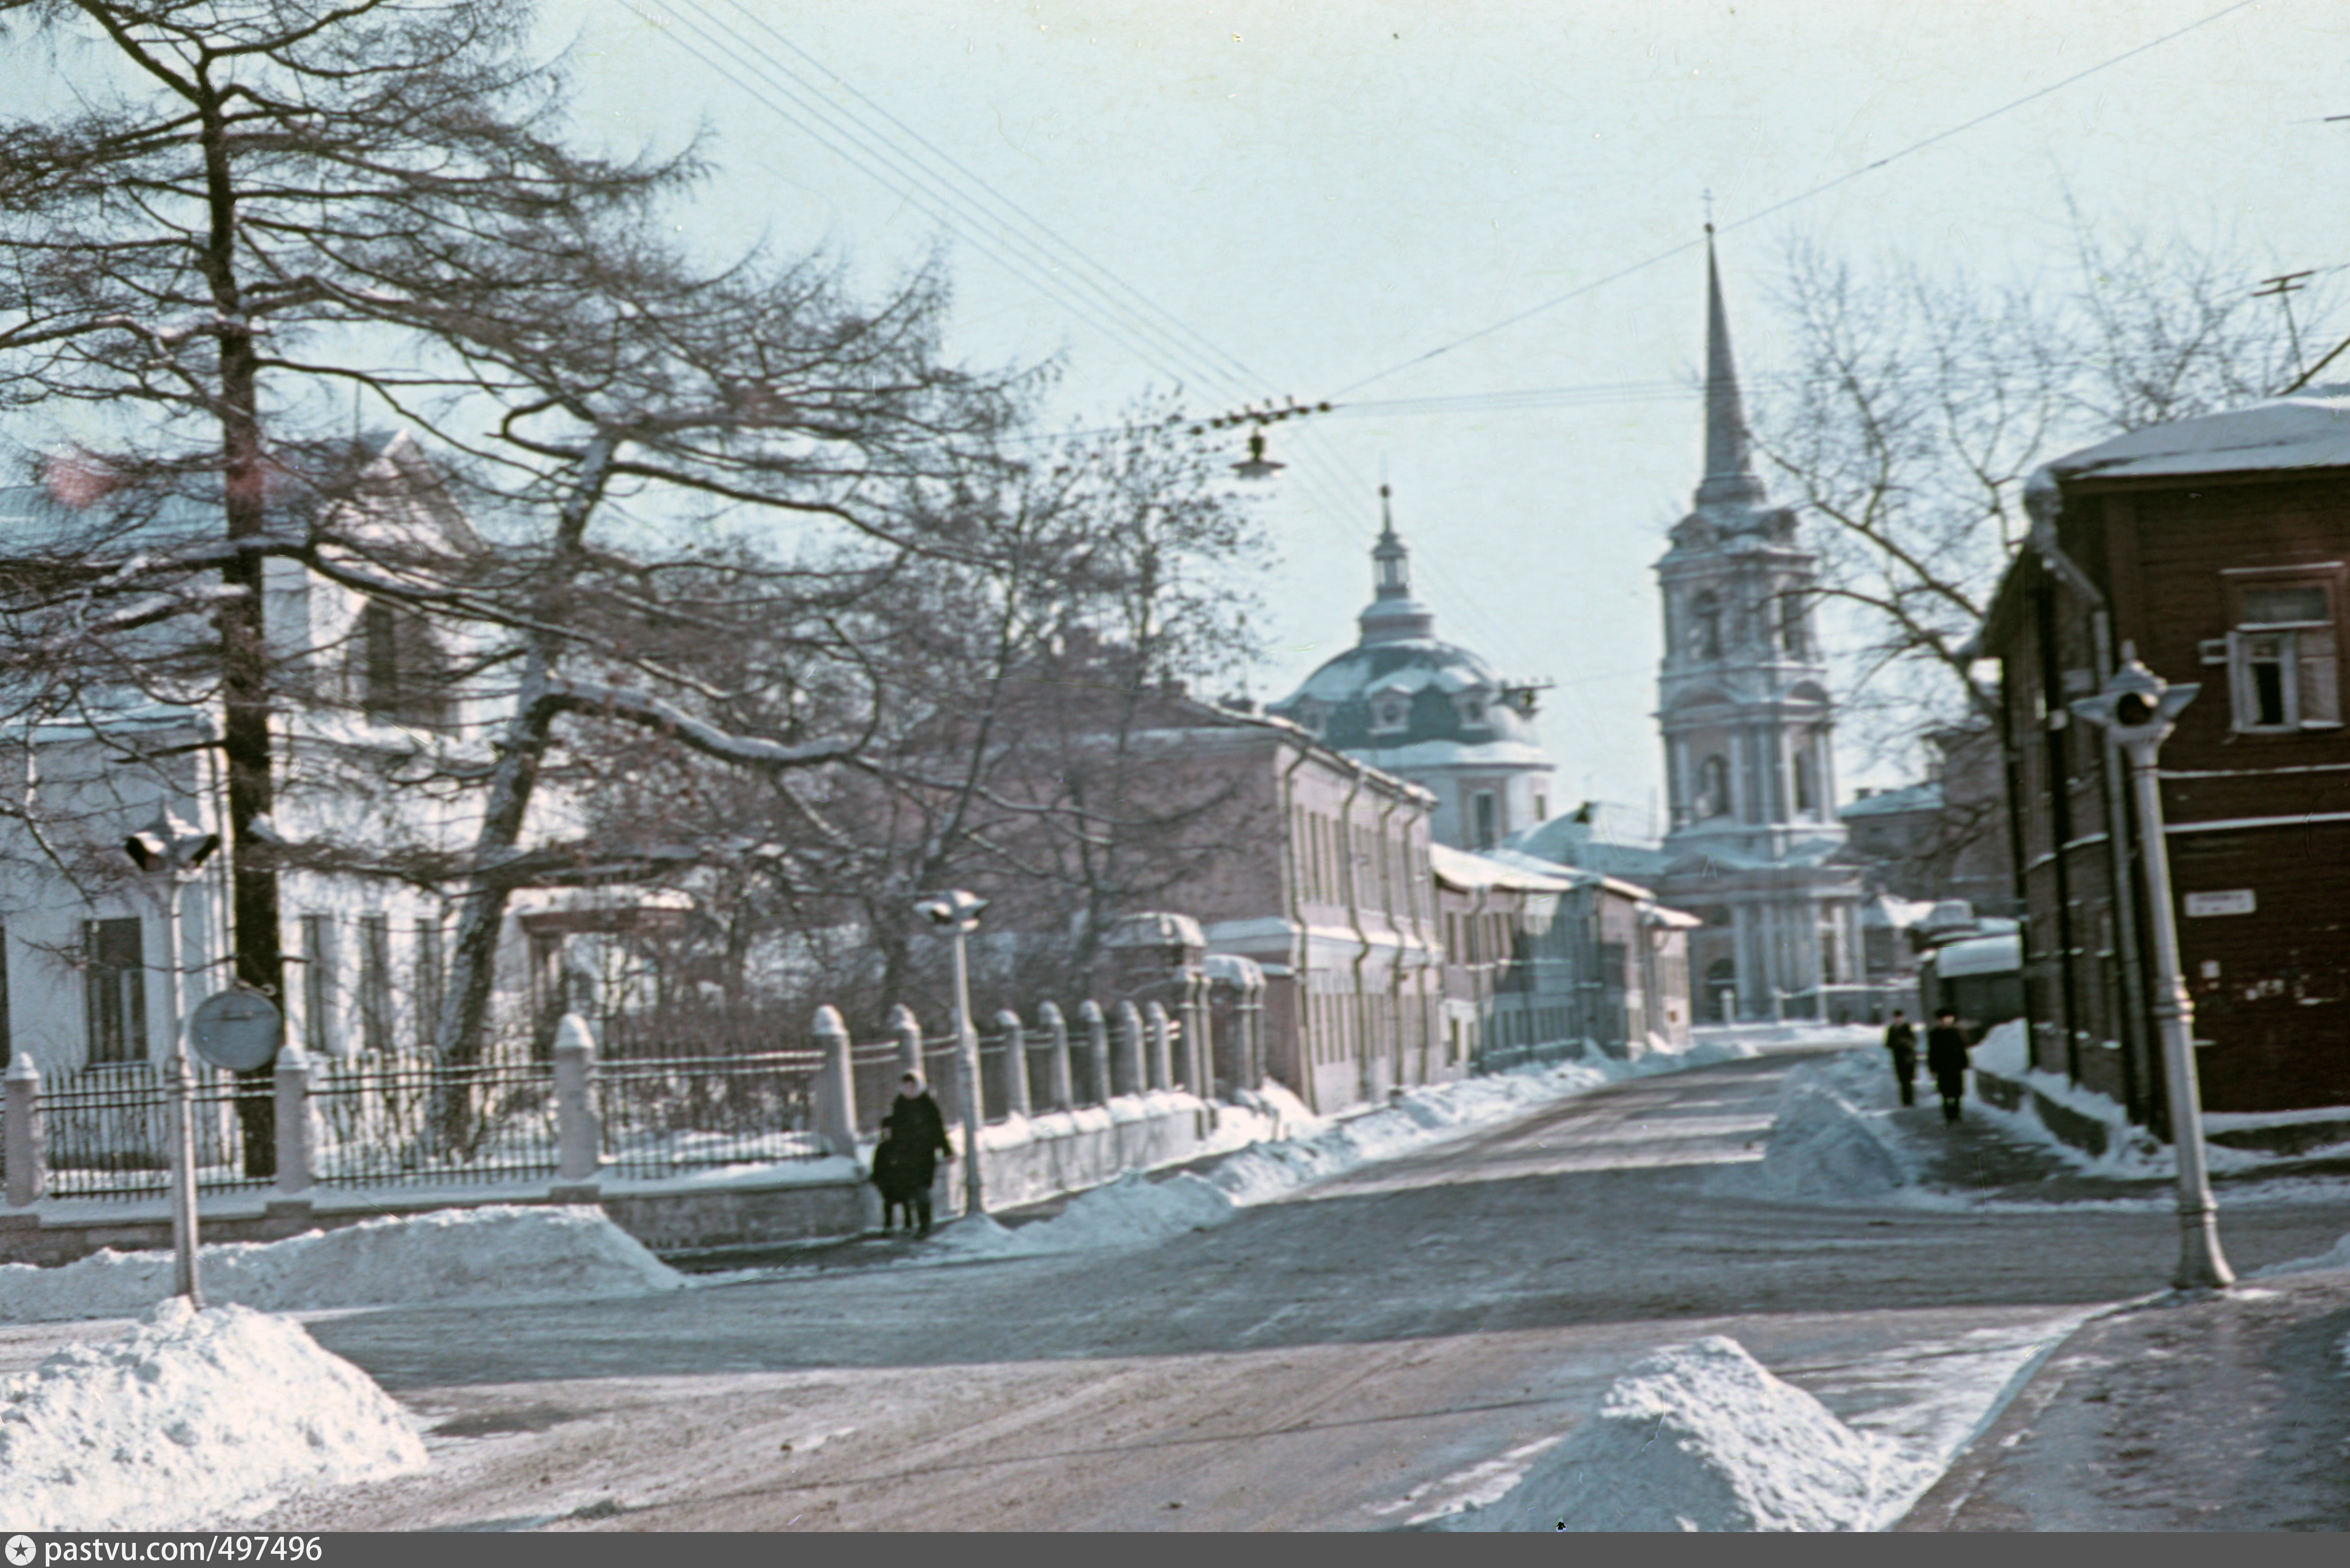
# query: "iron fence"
[109,1132]
[667,1110]
[381,1120]
[874,1069]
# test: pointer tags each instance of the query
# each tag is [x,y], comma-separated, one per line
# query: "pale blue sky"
[1321,191]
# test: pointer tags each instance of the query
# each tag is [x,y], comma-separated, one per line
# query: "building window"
[1792,636]
[318,1034]
[2283,657]
[1473,708]
[375,982]
[1705,619]
[1488,824]
[1713,788]
[1390,712]
[401,674]
[428,981]
[114,976]
[1807,789]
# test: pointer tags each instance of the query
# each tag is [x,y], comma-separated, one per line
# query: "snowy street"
[1380,1347]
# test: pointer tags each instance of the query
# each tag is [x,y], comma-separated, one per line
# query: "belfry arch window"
[1807,783]
[1705,624]
[1713,788]
[1792,635]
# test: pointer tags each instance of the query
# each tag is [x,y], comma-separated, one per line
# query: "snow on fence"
[645,1111]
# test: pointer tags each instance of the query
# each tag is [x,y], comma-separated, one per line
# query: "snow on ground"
[190,1418]
[1749,1451]
[1698,1437]
[2131,1152]
[1134,1210]
[2338,1256]
[500,1252]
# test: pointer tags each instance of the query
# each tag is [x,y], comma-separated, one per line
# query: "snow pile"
[2338,1256]
[1697,1437]
[189,1419]
[2131,1151]
[1831,1141]
[500,1252]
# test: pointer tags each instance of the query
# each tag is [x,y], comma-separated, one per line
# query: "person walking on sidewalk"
[1945,1058]
[1902,1040]
[916,1136]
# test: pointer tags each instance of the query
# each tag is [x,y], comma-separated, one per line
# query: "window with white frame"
[1390,710]
[2283,654]
[114,989]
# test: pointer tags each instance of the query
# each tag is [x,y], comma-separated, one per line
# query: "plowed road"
[1344,1360]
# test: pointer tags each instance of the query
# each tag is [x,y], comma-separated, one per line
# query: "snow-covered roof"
[2309,429]
[1999,954]
[1924,796]
[1464,871]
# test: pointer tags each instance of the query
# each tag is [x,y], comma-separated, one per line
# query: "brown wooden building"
[2217,547]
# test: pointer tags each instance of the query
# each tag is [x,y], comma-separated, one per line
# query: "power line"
[1778,207]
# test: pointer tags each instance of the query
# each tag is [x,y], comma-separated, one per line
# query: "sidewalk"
[2205,1410]
[2201,1410]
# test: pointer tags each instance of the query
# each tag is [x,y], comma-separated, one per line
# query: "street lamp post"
[957,913]
[2137,710]
[167,851]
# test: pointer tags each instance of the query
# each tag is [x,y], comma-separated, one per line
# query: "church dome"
[1401,686]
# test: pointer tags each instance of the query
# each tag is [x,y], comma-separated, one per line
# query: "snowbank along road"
[1380,1349]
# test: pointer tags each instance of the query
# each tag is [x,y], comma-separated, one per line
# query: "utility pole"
[169,851]
[957,913]
[2139,709]
[2285,286]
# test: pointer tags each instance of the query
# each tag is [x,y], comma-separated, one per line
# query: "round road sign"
[237,1028]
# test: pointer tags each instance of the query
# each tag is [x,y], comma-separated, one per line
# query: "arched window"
[1792,636]
[1807,789]
[1713,788]
[1705,624]
[1390,711]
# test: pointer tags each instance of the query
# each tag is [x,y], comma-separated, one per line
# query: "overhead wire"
[1167,343]
[1778,207]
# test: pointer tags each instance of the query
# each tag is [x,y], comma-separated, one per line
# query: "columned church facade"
[1747,723]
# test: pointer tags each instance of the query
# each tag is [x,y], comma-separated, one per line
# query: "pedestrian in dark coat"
[1902,1040]
[1945,1058]
[915,1134]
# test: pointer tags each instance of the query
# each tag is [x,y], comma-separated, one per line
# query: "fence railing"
[644,1111]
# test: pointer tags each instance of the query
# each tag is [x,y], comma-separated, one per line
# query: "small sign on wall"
[2234,901]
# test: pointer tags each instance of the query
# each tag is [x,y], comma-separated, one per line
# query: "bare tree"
[192,264]
[1918,402]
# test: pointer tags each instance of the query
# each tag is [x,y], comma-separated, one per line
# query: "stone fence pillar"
[1016,1099]
[835,1085]
[289,1082]
[908,1031]
[1131,1077]
[1162,1066]
[1056,1074]
[28,1172]
[579,1137]
[1098,1077]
